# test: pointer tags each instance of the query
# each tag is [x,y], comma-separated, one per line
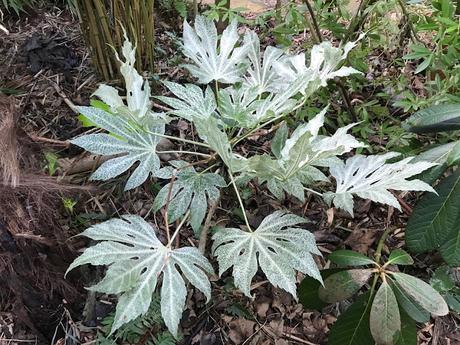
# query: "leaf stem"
[185,152]
[378,251]
[237,140]
[240,201]
[168,200]
[178,228]
[179,139]
[312,191]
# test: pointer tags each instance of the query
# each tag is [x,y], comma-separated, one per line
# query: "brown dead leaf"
[240,330]
[361,239]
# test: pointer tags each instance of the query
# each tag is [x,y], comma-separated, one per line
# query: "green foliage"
[17,6]
[438,118]
[150,324]
[435,221]
[250,90]
[446,281]
[381,313]
[188,191]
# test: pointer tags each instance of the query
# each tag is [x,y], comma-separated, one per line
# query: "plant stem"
[168,200]
[185,152]
[240,201]
[378,251]
[313,19]
[312,191]
[178,228]
[179,139]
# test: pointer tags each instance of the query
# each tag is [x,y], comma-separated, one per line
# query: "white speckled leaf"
[262,75]
[136,258]
[134,143]
[226,64]
[371,178]
[298,157]
[188,192]
[324,60]
[191,103]
[278,249]
[137,89]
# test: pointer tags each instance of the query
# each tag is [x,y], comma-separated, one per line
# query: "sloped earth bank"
[44,63]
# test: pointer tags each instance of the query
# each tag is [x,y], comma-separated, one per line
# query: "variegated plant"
[248,90]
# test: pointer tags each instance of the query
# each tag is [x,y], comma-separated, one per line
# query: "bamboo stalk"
[101,22]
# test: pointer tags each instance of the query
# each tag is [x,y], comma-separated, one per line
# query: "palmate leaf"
[136,259]
[300,155]
[192,103]
[277,247]
[371,178]
[137,90]
[262,75]
[189,191]
[324,61]
[226,64]
[133,143]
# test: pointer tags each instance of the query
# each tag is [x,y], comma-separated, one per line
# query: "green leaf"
[425,64]
[454,155]
[438,118]
[279,140]
[410,306]
[385,321]
[422,293]
[399,257]
[344,284]
[352,326]
[435,221]
[408,335]
[308,290]
[346,257]
[441,280]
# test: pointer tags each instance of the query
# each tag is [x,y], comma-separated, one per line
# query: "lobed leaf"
[224,65]
[131,142]
[136,259]
[190,190]
[371,178]
[277,247]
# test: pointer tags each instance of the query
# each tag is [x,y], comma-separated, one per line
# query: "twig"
[56,142]
[300,340]
[168,200]
[343,91]
[64,97]
[207,225]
